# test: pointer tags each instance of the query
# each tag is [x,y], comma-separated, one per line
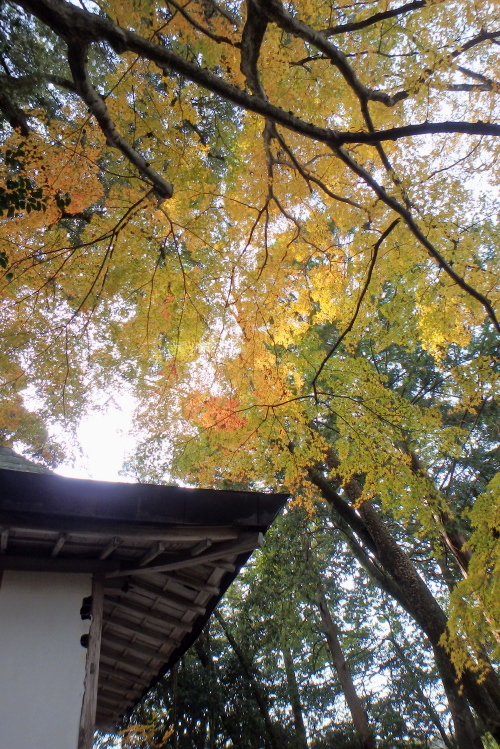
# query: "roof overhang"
[167,555]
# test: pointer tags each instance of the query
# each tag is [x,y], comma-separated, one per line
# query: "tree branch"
[356,25]
[251,42]
[76,25]
[97,106]
[14,115]
[371,266]
[199,27]
[275,11]
[424,128]
[417,233]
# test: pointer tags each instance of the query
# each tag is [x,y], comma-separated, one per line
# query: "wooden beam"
[110,528]
[151,554]
[153,614]
[138,663]
[167,596]
[109,549]
[246,542]
[193,582]
[125,695]
[119,669]
[109,688]
[138,629]
[122,676]
[87,717]
[201,546]
[226,566]
[114,641]
[63,537]
[46,564]
[112,702]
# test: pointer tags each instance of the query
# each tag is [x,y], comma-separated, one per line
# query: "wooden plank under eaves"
[89,704]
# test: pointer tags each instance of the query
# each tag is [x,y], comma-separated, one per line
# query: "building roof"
[168,554]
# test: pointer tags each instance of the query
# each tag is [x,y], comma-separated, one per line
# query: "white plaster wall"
[42,664]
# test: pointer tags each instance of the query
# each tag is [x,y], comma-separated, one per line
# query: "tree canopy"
[276,225]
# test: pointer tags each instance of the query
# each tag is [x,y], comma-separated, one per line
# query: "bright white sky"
[106,440]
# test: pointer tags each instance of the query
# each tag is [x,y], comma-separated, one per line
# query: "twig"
[417,232]
[339,340]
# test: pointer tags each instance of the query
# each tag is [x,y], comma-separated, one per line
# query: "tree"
[230,690]
[261,219]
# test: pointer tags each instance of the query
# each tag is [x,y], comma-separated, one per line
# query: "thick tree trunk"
[432,620]
[293,694]
[424,609]
[358,713]
[258,692]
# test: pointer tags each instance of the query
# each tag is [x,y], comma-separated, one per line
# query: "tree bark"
[358,713]
[426,612]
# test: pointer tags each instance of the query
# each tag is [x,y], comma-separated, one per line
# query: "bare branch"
[483,36]
[275,11]
[27,81]
[14,114]
[227,15]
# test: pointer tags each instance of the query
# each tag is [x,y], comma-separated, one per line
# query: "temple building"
[103,587]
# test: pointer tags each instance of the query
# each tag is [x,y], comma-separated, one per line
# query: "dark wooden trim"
[4,539]
[113,503]
[85,526]
[89,704]
[49,564]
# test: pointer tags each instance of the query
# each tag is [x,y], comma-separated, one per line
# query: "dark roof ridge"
[12,461]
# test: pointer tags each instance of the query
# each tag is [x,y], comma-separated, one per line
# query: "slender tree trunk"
[433,715]
[175,679]
[202,647]
[358,713]
[257,690]
[293,693]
